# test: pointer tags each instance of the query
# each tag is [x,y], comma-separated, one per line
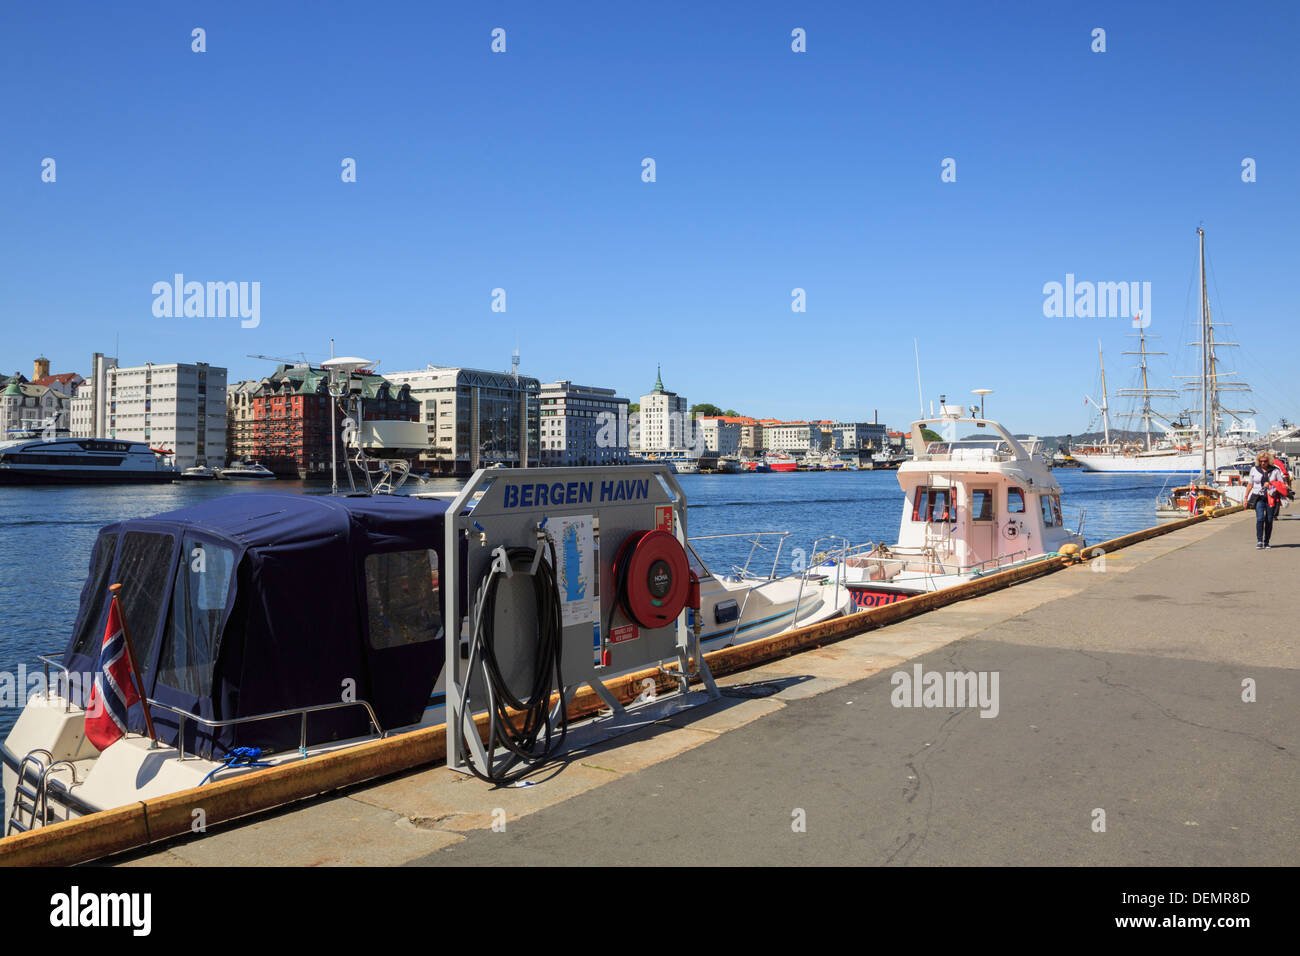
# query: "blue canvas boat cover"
[259,602]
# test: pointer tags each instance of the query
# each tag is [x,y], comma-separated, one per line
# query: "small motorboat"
[199,473]
[983,503]
[247,471]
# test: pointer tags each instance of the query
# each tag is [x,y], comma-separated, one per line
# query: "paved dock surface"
[1120,704]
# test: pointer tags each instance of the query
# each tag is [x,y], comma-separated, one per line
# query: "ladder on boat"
[34,804]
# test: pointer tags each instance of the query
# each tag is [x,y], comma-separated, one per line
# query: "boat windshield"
[996,446]
[696,564]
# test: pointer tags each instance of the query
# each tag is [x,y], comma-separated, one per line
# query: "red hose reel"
[652,577]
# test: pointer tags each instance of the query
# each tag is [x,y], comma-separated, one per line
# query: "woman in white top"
[1262,474]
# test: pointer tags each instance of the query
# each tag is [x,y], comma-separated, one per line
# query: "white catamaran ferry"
[81,461]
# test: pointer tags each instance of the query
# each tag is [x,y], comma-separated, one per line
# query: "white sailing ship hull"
[1159,464]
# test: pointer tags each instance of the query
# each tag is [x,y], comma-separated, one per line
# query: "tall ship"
[81,461]
[1173,444]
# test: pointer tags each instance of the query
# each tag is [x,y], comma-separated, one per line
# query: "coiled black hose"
[519,733]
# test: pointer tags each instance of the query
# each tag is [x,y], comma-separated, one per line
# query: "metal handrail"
[50,660]
[297,711]
[744,571]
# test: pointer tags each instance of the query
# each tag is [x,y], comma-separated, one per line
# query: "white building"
[91,399]
[582,425]
[795,438]
[664,424]
[720,436]
[475,417]
[24,406]
[177,407]
[858,436]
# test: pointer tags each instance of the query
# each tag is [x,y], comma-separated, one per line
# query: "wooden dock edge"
[139,824]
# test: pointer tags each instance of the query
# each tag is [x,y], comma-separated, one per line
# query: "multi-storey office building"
[720,436]
[475,418]
[858,436]
[179,408]
[582,425]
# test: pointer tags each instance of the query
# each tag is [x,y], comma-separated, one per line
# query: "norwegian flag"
[114,690]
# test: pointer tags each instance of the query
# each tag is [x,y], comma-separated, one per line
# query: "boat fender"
[652,578]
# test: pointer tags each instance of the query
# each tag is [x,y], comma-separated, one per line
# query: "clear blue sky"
[775,170]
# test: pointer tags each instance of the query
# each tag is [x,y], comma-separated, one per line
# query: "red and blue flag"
[114,690]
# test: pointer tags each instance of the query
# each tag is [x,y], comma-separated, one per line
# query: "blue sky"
[774,170]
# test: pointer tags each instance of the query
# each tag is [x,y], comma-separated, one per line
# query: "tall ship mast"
[1210,385]
[1182,448]
[1147,414]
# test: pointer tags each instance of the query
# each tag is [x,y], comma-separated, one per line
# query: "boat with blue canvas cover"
[288,623]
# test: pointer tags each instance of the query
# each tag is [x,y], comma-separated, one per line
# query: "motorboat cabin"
[973,505]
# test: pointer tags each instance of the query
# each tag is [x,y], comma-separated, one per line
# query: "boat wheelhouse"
[972,506]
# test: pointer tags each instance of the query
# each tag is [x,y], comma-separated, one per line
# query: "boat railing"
[53,659]
[1074,515]
[302,712]
[828,548]
[923,560]
[756,540]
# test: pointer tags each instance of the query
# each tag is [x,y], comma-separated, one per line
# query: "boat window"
[144,570]
[932,504]
[696,564]
[402,598]
[90,626]
[1049,517]
[1015,501]
[1056,509]
[981,501]
[194,625]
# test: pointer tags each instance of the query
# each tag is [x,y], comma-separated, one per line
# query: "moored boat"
[247,471]
[973,506]
[80,461]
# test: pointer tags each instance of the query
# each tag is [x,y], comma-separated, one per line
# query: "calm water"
[47,533]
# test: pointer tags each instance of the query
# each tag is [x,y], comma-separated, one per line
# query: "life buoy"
[652,577]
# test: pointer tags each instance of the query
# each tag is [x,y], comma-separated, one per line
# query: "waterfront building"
[475,417]
[27,406]
[582,425]
[791,438]
[90,400]
[751,437]
[283,421]
[858,436]
[720,436]
[664,422]
[44,401]
[177,407]
[239,421]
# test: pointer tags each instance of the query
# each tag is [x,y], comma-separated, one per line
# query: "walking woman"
[1262,496]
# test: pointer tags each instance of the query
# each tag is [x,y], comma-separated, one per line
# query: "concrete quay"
[1119,690]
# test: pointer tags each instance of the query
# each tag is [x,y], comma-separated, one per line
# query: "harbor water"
[48,532]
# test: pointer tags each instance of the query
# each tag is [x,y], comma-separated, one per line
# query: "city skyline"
[908,175]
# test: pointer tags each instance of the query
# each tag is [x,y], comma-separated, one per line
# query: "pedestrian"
[1263,496]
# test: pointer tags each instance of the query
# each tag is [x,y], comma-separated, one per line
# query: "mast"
[1205,354]
[1146,392]
[1105,419]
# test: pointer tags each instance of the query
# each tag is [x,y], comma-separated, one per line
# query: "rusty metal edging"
[139,824]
